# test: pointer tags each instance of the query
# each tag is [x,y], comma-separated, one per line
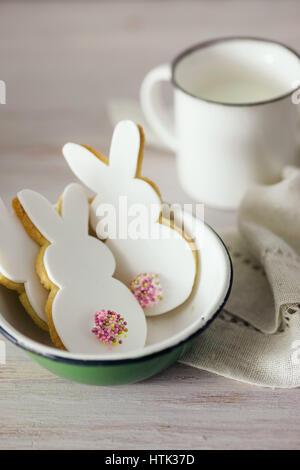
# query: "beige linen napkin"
[256,338]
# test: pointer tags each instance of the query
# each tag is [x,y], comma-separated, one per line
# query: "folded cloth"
[256,338]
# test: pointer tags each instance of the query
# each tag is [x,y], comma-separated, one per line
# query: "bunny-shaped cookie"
[78,269]
[17,266]
[164,251]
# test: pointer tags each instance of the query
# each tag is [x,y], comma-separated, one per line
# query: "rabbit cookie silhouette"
[77,269]
[163,252]
[17,266]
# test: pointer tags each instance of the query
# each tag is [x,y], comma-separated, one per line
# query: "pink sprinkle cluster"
[147,289]
[109,327]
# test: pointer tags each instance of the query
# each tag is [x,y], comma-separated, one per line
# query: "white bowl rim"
[147,353]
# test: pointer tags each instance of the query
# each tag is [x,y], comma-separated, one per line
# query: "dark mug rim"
[210,42]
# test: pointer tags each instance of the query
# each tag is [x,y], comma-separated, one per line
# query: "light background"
[62,61]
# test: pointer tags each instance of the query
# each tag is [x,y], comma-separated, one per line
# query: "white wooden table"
[62,62]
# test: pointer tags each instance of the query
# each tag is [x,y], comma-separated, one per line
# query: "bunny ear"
[41,213]
[15,247]
[75,209]
[85,165]
[126,149]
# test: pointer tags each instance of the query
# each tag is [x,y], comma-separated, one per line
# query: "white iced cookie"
[149,247]
[17,266]
[78,270]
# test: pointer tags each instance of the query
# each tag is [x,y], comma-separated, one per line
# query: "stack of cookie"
[90,287]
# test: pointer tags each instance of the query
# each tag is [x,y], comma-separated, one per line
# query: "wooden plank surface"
[62,62]
[180,408]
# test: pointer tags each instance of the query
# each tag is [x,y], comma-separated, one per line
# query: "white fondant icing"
[135,257]
[173,259]
[82,267]
[17,259]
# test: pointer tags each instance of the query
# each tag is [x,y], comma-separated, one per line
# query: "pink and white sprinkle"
[109,327]
[147,289]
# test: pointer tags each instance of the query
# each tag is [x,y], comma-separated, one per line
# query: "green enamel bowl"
[169,335]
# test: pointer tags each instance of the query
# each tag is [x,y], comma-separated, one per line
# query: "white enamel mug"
[235,120]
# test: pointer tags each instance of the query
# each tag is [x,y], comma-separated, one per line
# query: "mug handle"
[152,106]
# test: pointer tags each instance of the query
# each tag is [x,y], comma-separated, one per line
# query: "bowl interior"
[210,289]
